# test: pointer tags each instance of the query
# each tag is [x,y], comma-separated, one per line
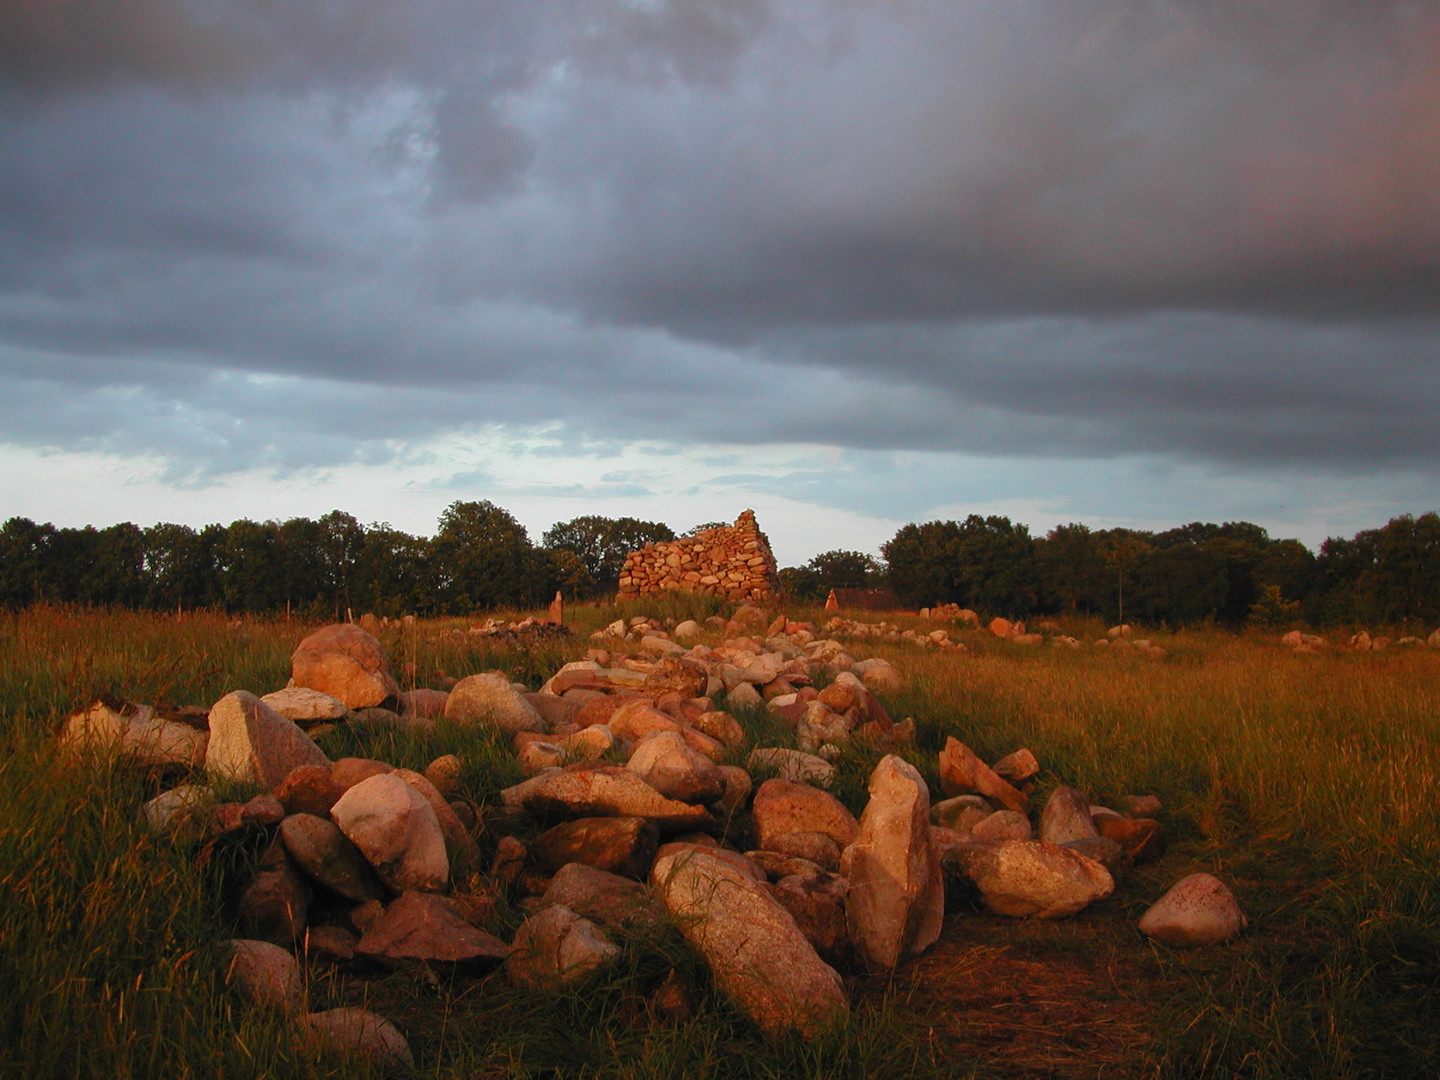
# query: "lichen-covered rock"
[603,897]
[621,845]
[1066,817]
[423,926]
[306,707]
[666,763]
[759,957]
[600,791]
[783,806]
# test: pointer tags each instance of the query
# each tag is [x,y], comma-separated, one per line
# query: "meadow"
[1308,783]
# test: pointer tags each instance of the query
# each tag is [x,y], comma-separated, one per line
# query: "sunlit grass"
[1307,782]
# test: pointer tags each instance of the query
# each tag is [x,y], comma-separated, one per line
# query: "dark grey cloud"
[250,234]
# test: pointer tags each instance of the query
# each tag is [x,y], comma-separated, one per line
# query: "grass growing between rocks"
[1308,783]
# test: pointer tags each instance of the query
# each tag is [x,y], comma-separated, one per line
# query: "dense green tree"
[483,559]
[252,568]
[182,566]
[923,563]
[831,570]
[601,544]
[24,548]
[1070,562]
[392,574]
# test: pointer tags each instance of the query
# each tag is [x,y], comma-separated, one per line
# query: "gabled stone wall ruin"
[732,561]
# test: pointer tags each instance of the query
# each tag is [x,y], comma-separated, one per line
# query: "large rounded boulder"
[347,663]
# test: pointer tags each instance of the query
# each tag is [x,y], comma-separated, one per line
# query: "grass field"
[1308,783]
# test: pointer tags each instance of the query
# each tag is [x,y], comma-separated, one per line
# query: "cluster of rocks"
[526,631]
[731,561]
[885,631]
[1360,642]
[643,829]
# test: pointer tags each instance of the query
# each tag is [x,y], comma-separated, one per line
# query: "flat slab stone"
[423,926]
[600,791]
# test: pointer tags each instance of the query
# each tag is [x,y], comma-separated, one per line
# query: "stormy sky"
[852,263]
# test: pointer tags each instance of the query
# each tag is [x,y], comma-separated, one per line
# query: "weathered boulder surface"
[793,765]
[621,845]
[600,791]
[785,806]
[603,897]
[397,832]
[896,902]
[423,926]
[345,662]
[323,853]
[306,707]
[1032,878]
[963,773]
[266,974]
[759,957]
[489,699]
[556,949]
[664,761]
[135,734]
[358,1033]
[251,743]
[1066,817]
[1197,910]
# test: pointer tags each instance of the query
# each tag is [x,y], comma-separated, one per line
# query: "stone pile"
[731,561]
[633,822]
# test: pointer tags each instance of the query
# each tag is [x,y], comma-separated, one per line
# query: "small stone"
[266,974]
[397,832]
[309,789]
[359,1033]
[793,765]
[445,773]
[489,700]
[1033,878]
[556,949]
[305,707]
[1066,817]
[963,773]
[180,810]
[962,813]
[1003,825]
[1017,768]
[1198,910]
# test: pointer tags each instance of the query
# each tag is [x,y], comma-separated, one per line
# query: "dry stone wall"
[732,561]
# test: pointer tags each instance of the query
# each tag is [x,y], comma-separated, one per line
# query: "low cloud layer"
[252,236]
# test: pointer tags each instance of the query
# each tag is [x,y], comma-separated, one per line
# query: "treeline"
[1230,575]
[481,558]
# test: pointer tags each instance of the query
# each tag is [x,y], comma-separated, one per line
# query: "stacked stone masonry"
[734,562]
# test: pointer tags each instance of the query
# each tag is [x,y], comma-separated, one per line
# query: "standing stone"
[759,957]
[1198,910]
[251,743]
[397,832]
[897,894]
[345,662]
[556,949]
[489,699]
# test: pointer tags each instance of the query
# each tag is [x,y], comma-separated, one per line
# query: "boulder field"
[633,821]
